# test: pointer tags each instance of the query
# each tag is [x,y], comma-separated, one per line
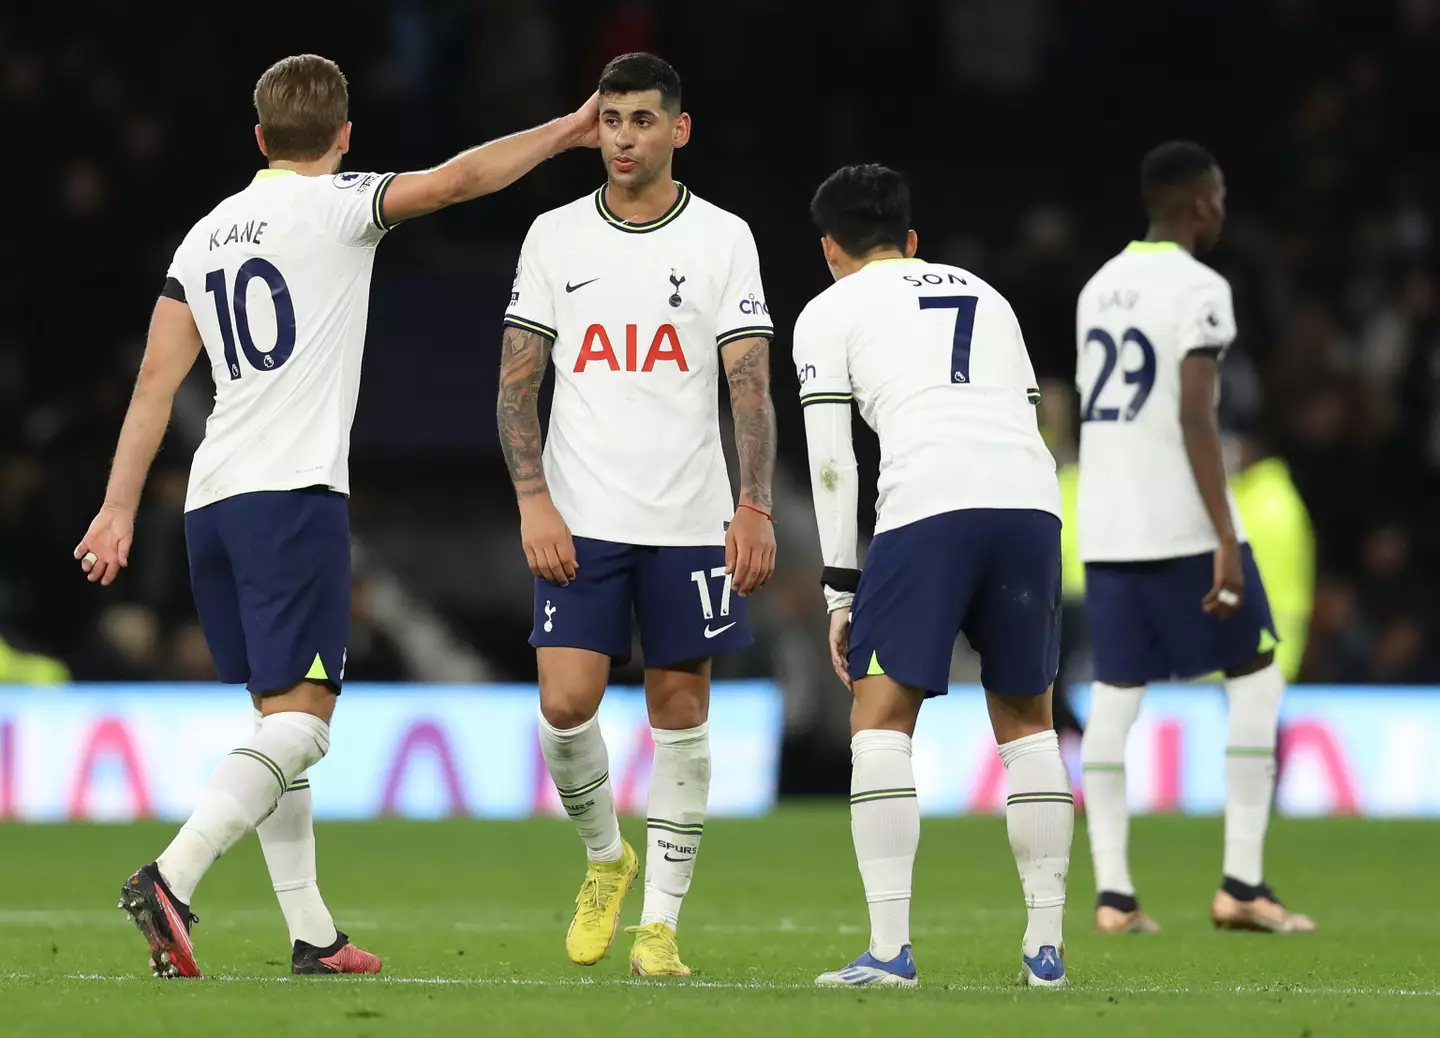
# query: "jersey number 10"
[1142,378]
[240,327]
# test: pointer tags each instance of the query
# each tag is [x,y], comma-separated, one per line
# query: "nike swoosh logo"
[719,630]
[571,288]
[668,858]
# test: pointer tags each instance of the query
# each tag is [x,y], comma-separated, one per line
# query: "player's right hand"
[1228,590]
[108,540]
[840,644]
[549,548]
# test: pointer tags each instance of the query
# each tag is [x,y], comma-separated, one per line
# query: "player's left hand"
[105,548]
[584,124]
[840,644]
[749,551]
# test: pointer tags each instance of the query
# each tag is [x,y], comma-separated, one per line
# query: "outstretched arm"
[488,168]
[750,546]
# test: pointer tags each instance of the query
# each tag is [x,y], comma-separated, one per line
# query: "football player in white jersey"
[967,538]
[1171,587]
[638,293]
[274,285]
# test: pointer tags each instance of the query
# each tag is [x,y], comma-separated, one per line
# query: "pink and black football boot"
[163,920]
[340,957]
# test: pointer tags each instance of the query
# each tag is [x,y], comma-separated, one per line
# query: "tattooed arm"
[523,356]
[549,547]
[750,546]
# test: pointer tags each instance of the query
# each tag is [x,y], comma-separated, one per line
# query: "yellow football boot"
[655,952]
[597,907]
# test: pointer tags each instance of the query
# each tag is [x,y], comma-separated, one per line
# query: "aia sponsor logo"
[598,348]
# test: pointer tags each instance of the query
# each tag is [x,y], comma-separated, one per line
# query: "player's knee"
[1016,717]
[564,712]
[677,699]
[316,698]
[882,704]
[1254,666]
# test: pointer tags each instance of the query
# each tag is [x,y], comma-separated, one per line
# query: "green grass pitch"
[470,919]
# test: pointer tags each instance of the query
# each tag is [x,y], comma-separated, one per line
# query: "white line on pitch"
[763,985]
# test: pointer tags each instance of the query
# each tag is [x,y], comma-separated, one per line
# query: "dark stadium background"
[1021,124]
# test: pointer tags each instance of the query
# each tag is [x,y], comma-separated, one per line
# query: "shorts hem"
[619,659]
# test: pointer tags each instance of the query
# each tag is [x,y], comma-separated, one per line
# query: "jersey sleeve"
[825,395]
[174,287]
[1207,319]
[744,314]
[532,304]
[350,206]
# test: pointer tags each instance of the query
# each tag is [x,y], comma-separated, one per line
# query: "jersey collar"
[1153,246]
[682,199]
[271,174]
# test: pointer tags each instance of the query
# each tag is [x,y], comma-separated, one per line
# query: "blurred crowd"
[1322,115]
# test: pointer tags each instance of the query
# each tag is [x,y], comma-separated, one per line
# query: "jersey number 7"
[964,307]
[284,316]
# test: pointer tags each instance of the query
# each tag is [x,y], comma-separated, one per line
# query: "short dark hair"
[1171,166]
[863,208]
[302,103]
[633,73]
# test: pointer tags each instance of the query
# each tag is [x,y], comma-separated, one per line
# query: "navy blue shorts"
[1146,623]
[992,573]
[680,596]
[271,576]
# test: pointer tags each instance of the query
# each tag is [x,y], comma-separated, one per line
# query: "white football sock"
[1250,770]
[579,765]
[885,825]
[675,819]
[242,792]
[1040,816]
[287,839]
[1102,756]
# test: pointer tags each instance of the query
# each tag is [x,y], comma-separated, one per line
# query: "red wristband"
[762,511]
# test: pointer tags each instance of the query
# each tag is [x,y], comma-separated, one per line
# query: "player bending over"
[967,538]
[274,283]
[632,291]
[1171,587]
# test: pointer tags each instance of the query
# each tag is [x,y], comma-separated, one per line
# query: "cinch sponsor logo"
[805,372]
[664,347]
[754,306]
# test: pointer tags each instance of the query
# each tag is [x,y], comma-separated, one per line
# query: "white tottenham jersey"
[935,359]
[1137,319]
[278,280]
[637,313]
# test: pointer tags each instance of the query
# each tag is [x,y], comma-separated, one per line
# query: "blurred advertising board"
[118,752]
[1352,750]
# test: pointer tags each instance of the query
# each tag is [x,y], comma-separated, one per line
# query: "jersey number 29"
[278,354]
[1142,378]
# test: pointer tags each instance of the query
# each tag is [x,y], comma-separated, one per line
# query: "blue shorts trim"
[991,573]
[271,577]
[679,597]
[1146,623]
